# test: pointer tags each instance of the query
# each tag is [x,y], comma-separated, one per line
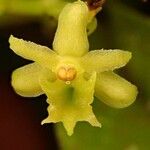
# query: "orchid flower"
[71,75]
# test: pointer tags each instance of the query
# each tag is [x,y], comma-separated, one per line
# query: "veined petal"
[105,60]
[71,36]
[70,103]
[25,80]
[114,90]
[34,52]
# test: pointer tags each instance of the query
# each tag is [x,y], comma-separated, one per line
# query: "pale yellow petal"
[105,60]
[25,80]
[33,51]
[114,90]
[71,36]
[70,103]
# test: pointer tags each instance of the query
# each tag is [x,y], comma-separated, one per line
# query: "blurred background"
[122,24]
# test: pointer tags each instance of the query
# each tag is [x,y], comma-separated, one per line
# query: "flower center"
[66,73]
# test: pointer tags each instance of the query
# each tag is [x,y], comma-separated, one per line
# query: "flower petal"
[71,36]
[70,103]
[114,90]
[32,51]
[25,80]
[105,60]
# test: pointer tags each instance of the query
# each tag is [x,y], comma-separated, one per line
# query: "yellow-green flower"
[69,75]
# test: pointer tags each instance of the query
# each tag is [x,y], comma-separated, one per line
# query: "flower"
[70,75]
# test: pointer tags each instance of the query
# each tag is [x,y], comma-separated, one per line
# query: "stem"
[94,4]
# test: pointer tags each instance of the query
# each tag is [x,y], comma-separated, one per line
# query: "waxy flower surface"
[69,74]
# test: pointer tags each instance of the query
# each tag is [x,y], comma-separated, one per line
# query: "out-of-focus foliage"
[46,11]
[31,7]
[18,11]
